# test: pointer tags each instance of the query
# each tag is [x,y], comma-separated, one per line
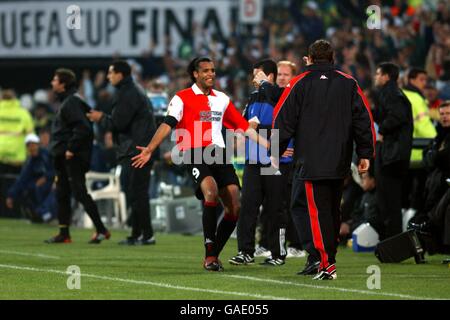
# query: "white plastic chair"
[112,191]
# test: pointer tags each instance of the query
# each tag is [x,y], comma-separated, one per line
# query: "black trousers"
[389,180]
[256,190]
[291,231]
[316,213]
[71,181]
[138,197]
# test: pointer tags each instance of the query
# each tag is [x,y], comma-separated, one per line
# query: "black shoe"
[212,264]
[242,258]
[328,273]
[311,268]
[129,241]
[221,268]
[59,238]
[98,237]
[273,262]
[146,242]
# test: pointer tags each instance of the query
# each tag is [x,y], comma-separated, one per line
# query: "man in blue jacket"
[257,188]
[33,187]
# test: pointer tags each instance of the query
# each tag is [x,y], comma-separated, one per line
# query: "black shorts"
[223,174]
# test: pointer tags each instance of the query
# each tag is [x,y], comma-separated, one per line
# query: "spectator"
[423,128]
[431,93]
[366,209]
[33,189]
[414,91]
[437,161]
[432,222]
[42,116]
[308,20]
[44,137]
[395,126]
[15,124]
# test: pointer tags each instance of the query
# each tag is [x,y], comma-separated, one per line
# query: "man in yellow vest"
[15,124]
[423,128]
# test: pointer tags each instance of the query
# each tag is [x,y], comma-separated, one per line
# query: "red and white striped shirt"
[202,117]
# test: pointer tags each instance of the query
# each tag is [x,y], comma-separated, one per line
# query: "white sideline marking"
[368,292]
[29,254]
[156,284]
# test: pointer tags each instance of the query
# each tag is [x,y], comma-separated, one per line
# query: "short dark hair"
[268,66]
[121,66]
[414,72]
[194,65]
[67,77]
[445,104]
[391,69]
[321,51]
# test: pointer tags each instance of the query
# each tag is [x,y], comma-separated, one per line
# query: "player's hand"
[363,165]
[344,229]
[41,181]
[69,155]
[94,116]
[288,153]
[9,203]
[141,159]
[253,125]
[307,60]
[260,76]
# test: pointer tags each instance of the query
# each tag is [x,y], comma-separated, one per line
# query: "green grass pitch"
[172,270]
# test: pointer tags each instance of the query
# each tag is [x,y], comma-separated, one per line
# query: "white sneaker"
[262,252]
[295,253]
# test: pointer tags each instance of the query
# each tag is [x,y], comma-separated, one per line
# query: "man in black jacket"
[433,222]
[71,147]
[133,124]
[394,117]
[324,110]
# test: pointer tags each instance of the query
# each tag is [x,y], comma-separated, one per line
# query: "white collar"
[197,90]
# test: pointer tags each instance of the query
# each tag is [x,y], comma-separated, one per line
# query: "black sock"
[64,231]
[209,227]
[224,231]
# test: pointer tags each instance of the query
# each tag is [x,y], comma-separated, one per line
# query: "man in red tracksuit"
[325,111]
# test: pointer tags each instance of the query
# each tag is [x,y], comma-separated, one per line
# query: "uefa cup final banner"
[104,28]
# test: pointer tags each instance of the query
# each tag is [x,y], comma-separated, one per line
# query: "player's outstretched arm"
[252,134]
[146,152]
